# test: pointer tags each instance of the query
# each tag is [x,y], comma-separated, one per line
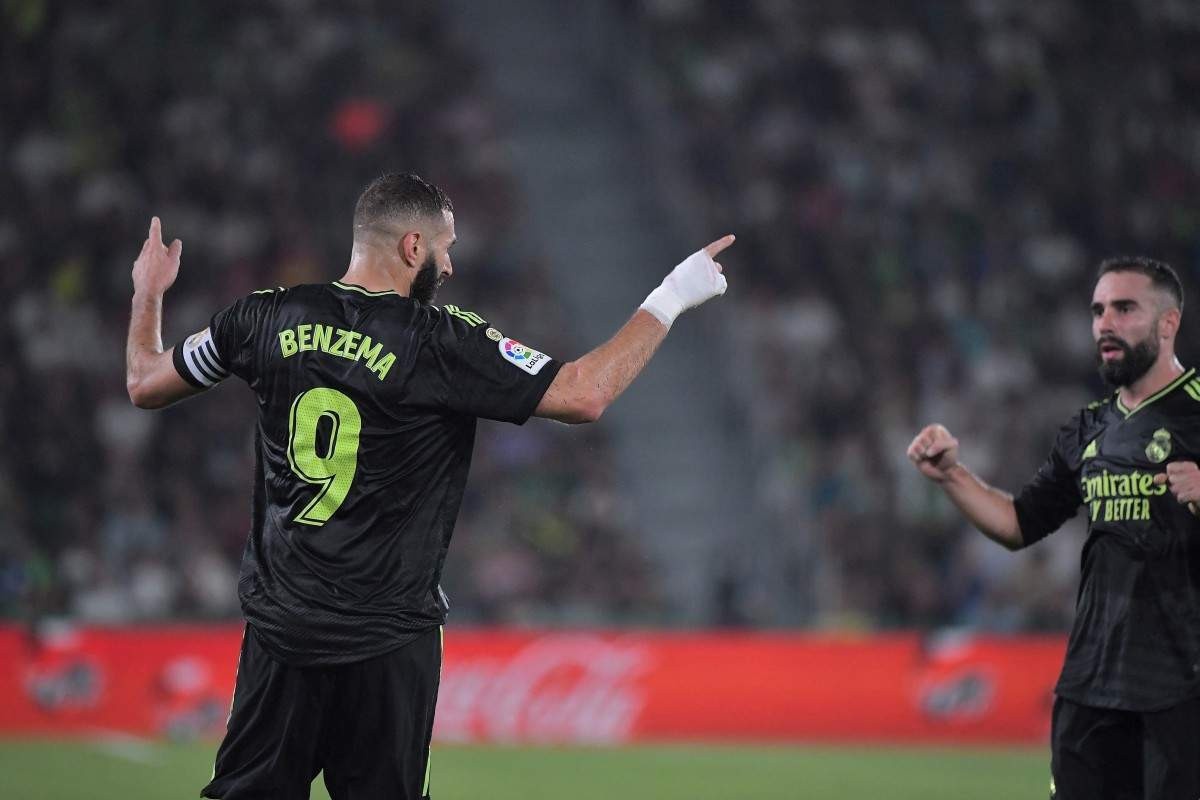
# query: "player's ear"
[1168,323]
[409,247]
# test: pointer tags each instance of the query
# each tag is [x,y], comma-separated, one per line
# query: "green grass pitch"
[133,770]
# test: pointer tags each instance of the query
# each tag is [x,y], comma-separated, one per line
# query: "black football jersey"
[1135,644]
[367,404]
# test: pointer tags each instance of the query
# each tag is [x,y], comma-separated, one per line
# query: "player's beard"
[428,281]
[1135,361]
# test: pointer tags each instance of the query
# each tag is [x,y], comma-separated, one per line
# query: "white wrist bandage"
[694,280]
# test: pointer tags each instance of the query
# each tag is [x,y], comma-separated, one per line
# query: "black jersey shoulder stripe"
[469,317]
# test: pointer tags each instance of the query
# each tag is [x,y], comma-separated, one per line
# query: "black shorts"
[1105,754]
[366,724]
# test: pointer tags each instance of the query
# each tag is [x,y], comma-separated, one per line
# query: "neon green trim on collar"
[1163,391]
[352,288]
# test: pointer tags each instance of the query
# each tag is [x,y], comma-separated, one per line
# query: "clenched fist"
[935,452]
[1183,479]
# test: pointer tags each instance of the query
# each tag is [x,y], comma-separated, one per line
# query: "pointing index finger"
[155,230]
[716,247]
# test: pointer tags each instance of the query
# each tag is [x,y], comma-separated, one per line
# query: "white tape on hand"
[693,281]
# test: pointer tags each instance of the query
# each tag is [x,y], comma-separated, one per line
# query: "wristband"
[663,304]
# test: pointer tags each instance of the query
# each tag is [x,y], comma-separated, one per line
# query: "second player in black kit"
[1136,638]
[1126,720]
[367,400]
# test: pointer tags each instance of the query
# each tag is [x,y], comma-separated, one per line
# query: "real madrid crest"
[1160,446]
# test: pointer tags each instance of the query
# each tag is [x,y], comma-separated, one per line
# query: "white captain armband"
[197,361]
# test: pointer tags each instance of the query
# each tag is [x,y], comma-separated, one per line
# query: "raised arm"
[150,378]
[935,453]
[584,388]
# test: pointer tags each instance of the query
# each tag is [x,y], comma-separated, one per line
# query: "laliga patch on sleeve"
[522,356]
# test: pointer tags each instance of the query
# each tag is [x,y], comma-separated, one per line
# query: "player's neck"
[370,271]
[1160,375]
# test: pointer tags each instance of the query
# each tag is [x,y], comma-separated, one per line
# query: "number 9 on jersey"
[334,470]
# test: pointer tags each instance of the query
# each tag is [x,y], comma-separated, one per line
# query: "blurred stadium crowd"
[920,191]
[250,132]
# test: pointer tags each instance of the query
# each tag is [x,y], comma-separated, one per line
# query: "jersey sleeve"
[1053,496]
[480,372]
[225,347]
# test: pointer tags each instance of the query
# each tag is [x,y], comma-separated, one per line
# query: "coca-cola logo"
[578,689]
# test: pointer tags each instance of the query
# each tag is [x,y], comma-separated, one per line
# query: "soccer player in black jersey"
[1126,720]
[367,400]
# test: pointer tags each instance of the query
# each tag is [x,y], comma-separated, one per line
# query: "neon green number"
[333,471]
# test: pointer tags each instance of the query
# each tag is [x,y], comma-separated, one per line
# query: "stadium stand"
[922,192]
[920,197]
[251,131]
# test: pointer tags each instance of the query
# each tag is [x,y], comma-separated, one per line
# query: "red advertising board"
[564,687]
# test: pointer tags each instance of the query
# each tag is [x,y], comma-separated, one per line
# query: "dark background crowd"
[251,133]
[921,192]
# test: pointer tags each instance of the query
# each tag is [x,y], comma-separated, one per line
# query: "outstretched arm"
[584,388]
[150,377]
[935,453]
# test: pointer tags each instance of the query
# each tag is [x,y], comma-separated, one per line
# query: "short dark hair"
[1159,273]
[399,195]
